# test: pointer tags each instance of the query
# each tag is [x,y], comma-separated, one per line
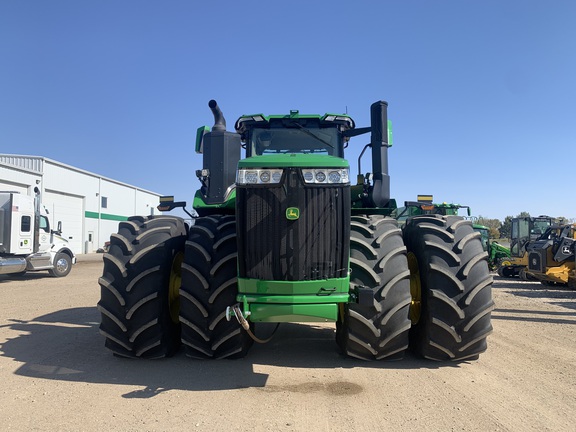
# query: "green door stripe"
[105,216]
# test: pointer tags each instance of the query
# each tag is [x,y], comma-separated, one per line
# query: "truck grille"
[313,247]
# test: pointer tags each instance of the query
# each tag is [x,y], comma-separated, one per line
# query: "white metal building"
[88,205]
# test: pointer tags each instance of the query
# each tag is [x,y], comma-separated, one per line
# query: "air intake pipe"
[221,153]
[219,121]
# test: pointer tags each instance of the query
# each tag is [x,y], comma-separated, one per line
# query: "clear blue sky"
[481,93]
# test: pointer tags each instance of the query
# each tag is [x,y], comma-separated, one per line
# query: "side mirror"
[58,229]
[167,203]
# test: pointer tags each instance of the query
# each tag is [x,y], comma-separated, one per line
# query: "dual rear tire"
[451,288]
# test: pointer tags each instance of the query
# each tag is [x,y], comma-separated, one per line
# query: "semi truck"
[27,241]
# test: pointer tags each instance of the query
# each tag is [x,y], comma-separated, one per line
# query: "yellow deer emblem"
[292,213]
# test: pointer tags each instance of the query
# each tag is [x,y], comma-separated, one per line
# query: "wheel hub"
[62,265]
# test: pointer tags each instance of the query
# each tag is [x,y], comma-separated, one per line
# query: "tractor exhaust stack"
[379,144]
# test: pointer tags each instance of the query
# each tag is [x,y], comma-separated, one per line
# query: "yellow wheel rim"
[415,288]
[174,287]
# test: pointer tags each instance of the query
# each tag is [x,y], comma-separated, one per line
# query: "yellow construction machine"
[551,258]
[524,230]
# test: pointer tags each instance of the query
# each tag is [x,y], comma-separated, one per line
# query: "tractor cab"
[525,230]
[294,133]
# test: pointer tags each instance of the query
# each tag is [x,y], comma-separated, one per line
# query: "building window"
[25,224]
[104,203]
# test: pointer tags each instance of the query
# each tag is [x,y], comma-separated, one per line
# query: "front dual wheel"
[162,286]
[139,299]
[378,328]
[209,287]
[431,290]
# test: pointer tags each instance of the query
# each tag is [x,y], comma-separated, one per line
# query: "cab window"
[293,140]
[44,224]
[25,224]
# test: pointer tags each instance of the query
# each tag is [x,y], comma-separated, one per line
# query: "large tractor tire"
[378,326]
[451,288]
[209,287]
[139,287]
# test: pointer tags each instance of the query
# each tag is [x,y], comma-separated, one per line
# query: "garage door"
[69,210]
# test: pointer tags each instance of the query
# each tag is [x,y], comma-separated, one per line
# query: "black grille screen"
[315,246]
[536,260]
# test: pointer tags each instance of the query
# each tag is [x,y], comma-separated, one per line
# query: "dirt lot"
[57,375]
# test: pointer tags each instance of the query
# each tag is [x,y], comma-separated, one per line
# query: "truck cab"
[27,242]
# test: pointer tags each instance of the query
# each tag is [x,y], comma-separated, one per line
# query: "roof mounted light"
[247,120]
[332,118]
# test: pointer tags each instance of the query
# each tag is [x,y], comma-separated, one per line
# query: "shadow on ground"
[66,345]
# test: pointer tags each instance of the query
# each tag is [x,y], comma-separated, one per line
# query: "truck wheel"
[62,265]
[377,327]
[209,286]
[139,287]
[451,288]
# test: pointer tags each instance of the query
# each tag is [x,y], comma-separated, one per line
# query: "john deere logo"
[292,213]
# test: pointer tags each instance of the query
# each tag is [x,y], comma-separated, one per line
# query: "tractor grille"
[313,247]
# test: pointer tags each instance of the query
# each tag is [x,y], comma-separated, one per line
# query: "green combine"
[283,236]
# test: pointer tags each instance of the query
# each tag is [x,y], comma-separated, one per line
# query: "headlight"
[326,175]
[258,176]
[265,176]
[334,177]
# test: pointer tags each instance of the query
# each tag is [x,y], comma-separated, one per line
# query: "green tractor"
[282,236]
[425,206]
[496,252]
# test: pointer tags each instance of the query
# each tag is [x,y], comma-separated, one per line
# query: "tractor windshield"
[296,140]
[540,226]
[484,236]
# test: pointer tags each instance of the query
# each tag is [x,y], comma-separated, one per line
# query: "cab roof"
[245,122]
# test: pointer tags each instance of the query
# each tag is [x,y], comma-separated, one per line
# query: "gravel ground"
[57,376]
